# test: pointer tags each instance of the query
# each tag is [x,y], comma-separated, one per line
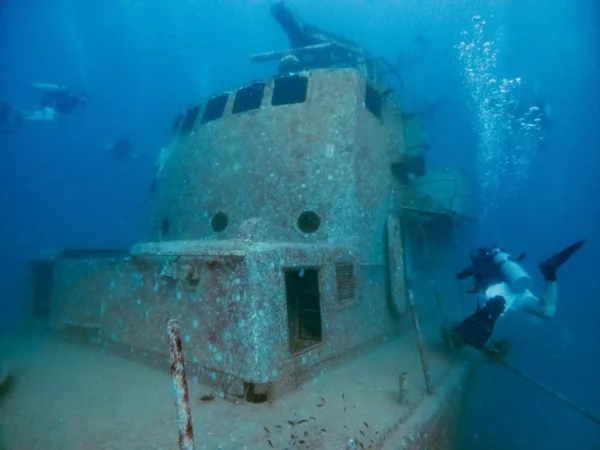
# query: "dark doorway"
[43,279]
[304,308]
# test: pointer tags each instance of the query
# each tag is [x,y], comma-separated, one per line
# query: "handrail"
[449,210]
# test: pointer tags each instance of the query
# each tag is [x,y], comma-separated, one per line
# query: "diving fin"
[476,329]
[519,258]
[551,265]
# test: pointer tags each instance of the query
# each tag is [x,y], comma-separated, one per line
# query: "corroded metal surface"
[180,389]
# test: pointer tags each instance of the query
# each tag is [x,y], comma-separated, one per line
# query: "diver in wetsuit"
[502,284]
[56,100]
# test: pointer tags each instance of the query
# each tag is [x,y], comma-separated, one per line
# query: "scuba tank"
[512,272]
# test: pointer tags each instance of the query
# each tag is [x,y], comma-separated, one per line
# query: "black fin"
[476,329]
[551,265]
[519,258]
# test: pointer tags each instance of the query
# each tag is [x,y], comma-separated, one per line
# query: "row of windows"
[287,90]
[308,222]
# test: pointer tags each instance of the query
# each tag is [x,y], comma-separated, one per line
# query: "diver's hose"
[552,392]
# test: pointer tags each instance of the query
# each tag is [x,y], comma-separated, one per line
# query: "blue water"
[141,61]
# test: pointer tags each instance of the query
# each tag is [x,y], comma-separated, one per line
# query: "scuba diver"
[121,148]
[502,284]
[56,100]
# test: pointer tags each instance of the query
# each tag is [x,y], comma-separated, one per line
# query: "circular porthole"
[165,226]
[309,222]
[219,222]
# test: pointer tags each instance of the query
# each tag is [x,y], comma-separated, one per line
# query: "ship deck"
[68,395]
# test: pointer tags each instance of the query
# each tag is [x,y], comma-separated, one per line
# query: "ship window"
[309,222]
[373,101]
[190,119]
[344,274]
[177,122]
[303,308]
[215,108]
[289,90]
[219,222]
[43,279]
[248,98]
[165,226]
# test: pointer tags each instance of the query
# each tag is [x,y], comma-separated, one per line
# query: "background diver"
[56,100]
[502,284]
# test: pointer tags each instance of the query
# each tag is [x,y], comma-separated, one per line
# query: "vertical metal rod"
[182,400]
[411,304]
[424,363]
[402,384]
[438,298]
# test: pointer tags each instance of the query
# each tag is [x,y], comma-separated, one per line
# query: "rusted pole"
[182,400]
[424,363]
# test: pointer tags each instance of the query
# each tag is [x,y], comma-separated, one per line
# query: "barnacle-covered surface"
[230,297]
[328,154]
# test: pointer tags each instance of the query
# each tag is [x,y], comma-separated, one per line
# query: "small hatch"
[190,119]
[248,98]
[303,308]
[215,108]
[289,90]
[373,101]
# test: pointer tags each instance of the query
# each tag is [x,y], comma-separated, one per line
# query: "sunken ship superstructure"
[282,237]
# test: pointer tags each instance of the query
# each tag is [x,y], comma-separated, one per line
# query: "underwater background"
[141,62]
